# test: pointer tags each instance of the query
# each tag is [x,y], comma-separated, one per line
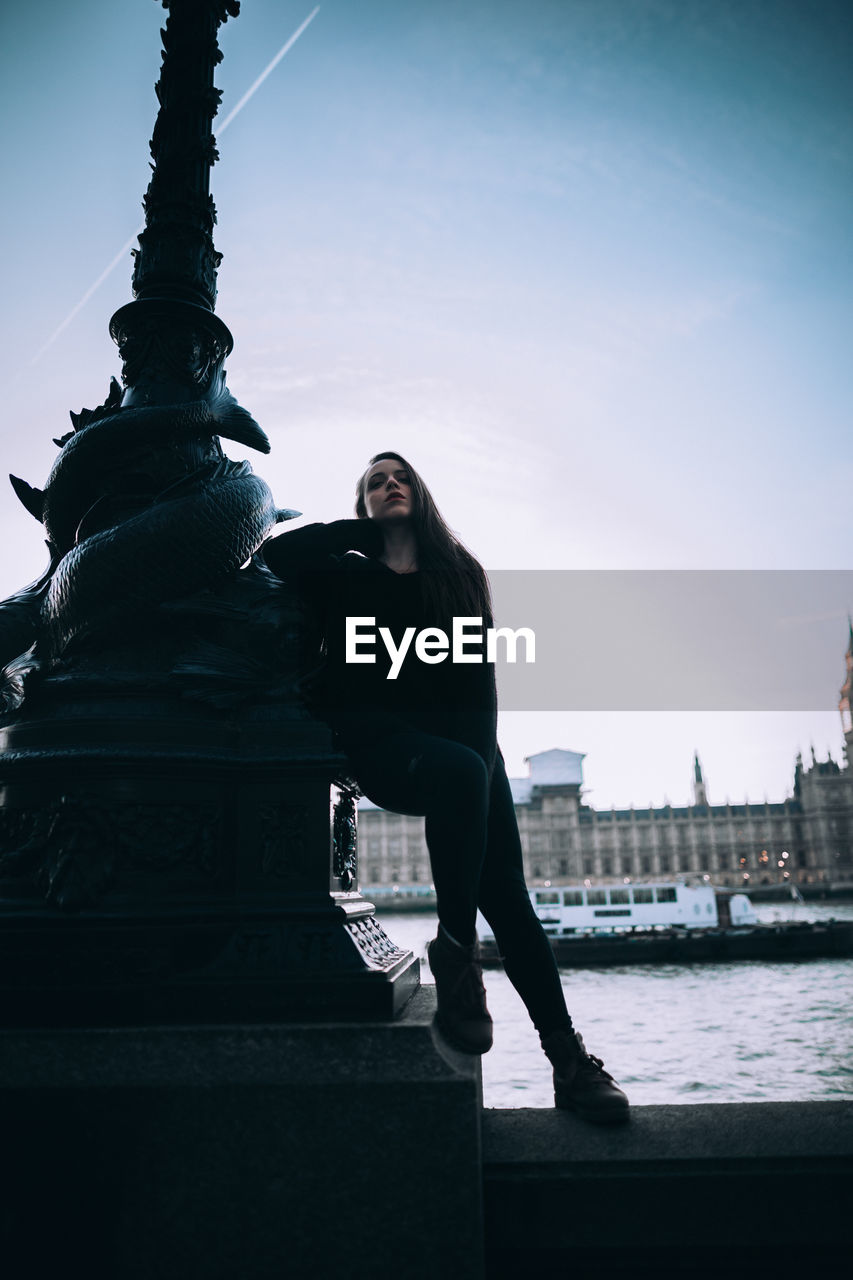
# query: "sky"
[586,262]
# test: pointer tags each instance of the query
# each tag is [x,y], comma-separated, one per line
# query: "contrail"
[120,256]
[125,249]
[250,93]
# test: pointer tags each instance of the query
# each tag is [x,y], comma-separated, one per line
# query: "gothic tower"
[844,704]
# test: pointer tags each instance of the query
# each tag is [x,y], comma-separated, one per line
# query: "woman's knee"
[451,771]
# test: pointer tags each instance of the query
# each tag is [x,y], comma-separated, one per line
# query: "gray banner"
[674,640]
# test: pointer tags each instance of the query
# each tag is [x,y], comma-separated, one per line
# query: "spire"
[845,700]
[700,795]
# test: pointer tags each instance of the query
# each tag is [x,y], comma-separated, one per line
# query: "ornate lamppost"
[167,846]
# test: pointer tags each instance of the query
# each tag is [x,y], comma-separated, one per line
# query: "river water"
[742,1031]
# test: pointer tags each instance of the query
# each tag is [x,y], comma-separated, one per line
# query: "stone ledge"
[556,1142]
[743,1190]
[267,1054]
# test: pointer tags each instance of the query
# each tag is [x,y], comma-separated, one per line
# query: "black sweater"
[456,701]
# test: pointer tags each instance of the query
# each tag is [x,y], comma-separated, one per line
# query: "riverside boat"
[667,923]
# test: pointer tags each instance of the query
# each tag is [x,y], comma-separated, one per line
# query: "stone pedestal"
[167,861]
[242,1152]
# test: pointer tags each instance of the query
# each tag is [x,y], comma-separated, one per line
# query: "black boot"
[462,1016]
[580,1082]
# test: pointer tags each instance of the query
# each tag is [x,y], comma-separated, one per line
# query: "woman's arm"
[316,545]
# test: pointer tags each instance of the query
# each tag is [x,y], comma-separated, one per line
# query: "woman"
[424,742]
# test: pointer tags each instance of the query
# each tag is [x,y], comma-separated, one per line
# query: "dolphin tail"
[33,499]
[236,423]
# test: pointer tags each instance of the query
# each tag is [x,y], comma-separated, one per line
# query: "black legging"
[475,852]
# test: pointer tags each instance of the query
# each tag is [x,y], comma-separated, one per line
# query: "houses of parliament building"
[806,839]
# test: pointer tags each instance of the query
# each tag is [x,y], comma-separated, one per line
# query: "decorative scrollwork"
[63,850]
[374,944]
[344,836]
[74,849]
[164,837]
[283,840]
[167,348]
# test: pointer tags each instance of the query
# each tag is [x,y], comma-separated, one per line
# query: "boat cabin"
[566,909]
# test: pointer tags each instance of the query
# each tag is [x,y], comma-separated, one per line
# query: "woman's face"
[388,491]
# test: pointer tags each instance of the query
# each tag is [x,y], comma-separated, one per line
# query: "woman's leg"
[504,901]
[448,783]
[580,1082]
[419,773]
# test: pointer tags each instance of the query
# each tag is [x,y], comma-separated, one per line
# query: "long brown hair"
[454,582]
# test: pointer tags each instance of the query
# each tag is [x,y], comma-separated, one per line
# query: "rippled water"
[742,1031]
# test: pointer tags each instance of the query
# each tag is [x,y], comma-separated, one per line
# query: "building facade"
[805,839]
